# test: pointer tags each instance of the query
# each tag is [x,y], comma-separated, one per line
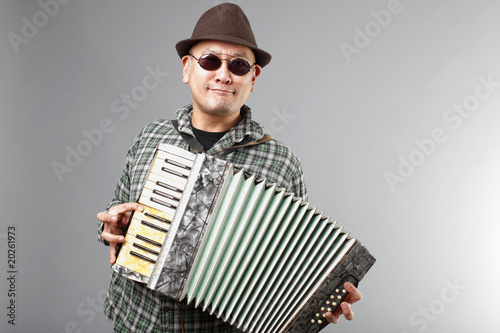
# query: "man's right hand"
[115,225]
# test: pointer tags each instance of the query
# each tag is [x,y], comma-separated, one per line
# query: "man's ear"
[256,72]
[186,67]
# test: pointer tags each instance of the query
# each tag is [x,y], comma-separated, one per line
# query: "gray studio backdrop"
[391,105]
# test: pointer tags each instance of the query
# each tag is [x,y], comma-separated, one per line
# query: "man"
[221,62]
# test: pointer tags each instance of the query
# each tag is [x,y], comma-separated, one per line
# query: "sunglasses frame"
[220,64]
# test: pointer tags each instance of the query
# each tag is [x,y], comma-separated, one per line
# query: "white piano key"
[147,198]
[150,229]
[157,194]
[173,179]
[152,223]
[174,160]
[168,191]
[142,254]
[148,241]
[179,152]
[173,167]
[168,179]
[141,244]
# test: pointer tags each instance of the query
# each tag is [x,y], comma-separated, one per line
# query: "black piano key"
[147,240]
[154,226]
[175,173]
[163,203]
[161,219]
[169,187]
[166,195]
[138,255]
[177,164]
[145,248]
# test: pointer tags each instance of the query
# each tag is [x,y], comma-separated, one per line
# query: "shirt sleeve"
[296,181]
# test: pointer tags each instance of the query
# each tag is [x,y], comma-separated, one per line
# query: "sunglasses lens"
[210,62]
[239,66]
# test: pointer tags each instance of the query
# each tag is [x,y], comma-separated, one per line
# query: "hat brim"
[262,58]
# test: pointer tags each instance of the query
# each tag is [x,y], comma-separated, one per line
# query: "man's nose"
[223,74]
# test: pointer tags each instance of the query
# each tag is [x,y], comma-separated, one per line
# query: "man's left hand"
[345,308]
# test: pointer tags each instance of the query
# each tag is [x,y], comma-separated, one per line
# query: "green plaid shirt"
[130,305]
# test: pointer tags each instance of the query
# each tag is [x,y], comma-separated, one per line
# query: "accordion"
[238,247]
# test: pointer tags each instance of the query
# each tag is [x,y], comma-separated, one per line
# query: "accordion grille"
[256,261]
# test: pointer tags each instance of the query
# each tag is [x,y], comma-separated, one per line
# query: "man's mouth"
[222,91]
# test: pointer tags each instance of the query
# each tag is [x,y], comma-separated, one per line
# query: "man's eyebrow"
[237,54]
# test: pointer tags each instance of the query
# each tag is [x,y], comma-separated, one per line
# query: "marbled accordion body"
[238,247]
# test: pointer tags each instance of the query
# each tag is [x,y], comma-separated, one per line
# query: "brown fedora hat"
[226,23]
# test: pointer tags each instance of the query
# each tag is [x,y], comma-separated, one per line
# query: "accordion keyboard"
[160,196]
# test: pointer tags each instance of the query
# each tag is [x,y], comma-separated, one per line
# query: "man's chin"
[222,109]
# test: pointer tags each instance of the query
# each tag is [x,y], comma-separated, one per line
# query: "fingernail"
[113,218]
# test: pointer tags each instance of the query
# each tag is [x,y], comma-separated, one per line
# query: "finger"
[347,311]
[333,318]
[106,217]
[354,293]
[125,207]
[112,238]
[112,253]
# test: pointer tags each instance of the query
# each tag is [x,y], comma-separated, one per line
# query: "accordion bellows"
[242,249]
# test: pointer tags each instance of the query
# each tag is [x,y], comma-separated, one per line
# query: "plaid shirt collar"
[245,131]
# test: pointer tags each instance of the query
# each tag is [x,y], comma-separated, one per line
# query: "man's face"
[219,92]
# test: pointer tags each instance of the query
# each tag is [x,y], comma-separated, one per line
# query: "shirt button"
[166,308]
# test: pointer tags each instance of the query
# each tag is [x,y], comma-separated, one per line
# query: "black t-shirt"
[207,139]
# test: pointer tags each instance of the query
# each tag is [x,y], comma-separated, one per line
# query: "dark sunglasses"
[211,62]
